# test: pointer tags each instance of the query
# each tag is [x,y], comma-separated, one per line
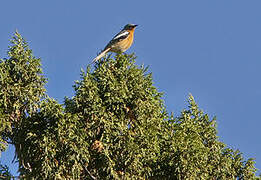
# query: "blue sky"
[208,48]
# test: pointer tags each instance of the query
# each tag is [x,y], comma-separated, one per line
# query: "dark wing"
[118,37]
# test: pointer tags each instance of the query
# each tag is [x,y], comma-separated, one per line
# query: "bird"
[120,42]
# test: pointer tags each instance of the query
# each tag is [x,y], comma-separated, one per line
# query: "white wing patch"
[121,34]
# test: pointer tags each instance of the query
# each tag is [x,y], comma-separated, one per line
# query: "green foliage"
[121,109]
[21,89]
[21,80]
[54,146]
[115,127]
[192,150]
[4,128]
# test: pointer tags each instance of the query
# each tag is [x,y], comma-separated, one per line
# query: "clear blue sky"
[211,49]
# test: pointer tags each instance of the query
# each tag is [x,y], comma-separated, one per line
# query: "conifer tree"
[114,127]
[21,89]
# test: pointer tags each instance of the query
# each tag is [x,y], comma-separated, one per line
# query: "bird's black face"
[130,26]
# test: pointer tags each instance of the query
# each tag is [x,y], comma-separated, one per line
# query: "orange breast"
[125,44]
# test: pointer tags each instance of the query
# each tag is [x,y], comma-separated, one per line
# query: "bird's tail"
[101,55]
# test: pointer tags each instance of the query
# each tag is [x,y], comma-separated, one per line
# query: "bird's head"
[130,26]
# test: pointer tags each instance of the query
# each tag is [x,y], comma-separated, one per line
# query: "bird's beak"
[135,25]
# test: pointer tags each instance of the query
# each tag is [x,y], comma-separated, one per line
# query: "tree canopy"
[116,126]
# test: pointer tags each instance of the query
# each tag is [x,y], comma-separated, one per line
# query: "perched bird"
[120,42]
